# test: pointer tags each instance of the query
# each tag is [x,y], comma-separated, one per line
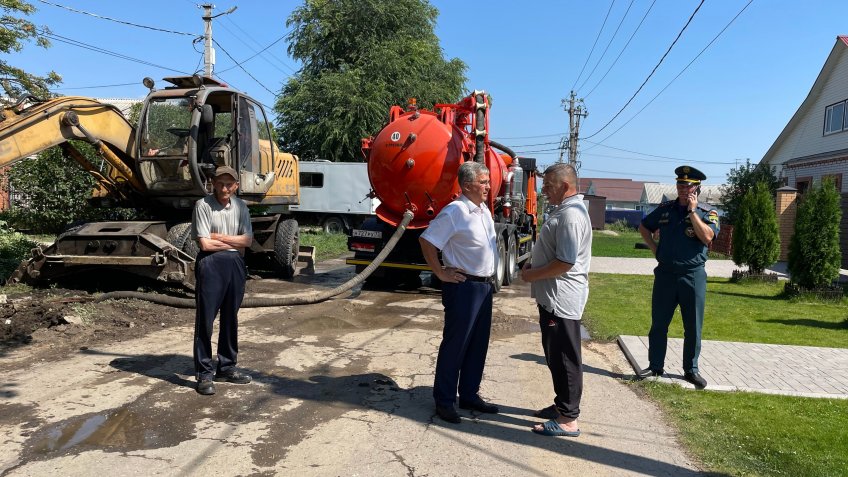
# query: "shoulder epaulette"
[667,203]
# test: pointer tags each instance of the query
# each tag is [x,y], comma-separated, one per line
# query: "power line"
[531,137]
[642,159]
[678,75]
[242,68]
[77,43]
[257,53]
[652,71]
[251,38]
[607,47]
[622,50]
[116,20]
[635,152]
[593,45]
[95,87]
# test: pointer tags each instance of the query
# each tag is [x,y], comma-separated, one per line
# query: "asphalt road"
[340,388]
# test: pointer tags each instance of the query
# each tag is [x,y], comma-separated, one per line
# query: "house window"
[837,180]
[803,184]
[834,118]
[311,179]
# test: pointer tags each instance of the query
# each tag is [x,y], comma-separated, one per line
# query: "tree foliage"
[52,192]
[814,255]
[756,237]
[359,58]
[742,179]
[15,32]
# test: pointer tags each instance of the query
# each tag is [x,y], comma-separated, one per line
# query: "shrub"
[814,255]
[756,239]
[53,192]
[741,179]
[14,247]
[620,226]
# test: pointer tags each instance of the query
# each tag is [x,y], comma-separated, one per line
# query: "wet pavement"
[343,387]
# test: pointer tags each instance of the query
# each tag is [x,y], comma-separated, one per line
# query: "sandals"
[552,428]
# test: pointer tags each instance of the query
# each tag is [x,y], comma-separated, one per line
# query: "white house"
[814,144]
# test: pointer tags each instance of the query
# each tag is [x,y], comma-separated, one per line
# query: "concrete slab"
[805,371]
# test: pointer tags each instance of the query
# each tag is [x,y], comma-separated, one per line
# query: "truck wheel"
[180,236]
[334,225]
[500,266]
[287,247]
[511,272]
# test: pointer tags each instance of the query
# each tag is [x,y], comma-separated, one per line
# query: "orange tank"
[413,161]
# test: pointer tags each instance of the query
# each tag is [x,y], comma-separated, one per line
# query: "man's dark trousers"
[219,285]
[465,341]
[688,288]
[561,342]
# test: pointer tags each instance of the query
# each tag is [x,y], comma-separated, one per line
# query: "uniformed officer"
[686,228]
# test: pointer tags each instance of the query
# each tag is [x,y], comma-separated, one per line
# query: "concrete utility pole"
[575,110]
[208,50]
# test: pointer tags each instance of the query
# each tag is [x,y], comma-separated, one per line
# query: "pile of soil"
[70,318]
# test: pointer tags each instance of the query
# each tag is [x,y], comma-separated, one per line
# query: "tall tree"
[814,254]
[739,181]
[756,238]
[359,58]
[15,31]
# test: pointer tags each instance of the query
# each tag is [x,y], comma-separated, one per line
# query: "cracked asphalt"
[341,388]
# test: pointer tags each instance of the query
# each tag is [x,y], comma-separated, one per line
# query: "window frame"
[837,180]
[307,179]
[807,180]
[829,119]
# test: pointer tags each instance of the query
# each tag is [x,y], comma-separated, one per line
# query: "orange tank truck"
[412,165]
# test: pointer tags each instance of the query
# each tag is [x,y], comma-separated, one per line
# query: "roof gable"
[615,190]
[795,140]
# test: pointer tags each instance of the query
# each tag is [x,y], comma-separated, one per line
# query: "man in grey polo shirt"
[221,226]
[559,277]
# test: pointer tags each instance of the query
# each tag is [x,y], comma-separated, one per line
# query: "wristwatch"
[689,211]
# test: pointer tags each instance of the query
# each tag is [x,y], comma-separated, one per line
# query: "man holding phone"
[686,228]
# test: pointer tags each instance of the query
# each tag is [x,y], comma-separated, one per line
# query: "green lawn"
[749,312]
[326,245]
[758,434]
[737,433]
[622,245]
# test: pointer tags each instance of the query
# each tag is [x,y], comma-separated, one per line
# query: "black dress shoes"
[205,387]
[648,372]
[449,414]
[234,377]
[695,379]
[479,405]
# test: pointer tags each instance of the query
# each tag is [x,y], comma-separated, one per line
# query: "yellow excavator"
[163,165]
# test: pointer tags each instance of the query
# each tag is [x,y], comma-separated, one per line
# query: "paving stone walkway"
[805,371]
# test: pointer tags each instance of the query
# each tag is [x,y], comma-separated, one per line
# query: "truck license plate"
[367,233]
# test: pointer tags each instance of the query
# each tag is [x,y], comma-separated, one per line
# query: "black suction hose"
[285,300]
[503,148]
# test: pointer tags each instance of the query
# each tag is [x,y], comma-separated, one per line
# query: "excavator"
[162,166]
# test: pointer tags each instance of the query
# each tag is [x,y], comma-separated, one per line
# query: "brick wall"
[843,231]
[724,242]
[787,209]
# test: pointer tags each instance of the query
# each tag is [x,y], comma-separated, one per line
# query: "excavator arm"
[30,130]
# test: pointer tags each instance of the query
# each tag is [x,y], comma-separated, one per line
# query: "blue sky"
[729,105]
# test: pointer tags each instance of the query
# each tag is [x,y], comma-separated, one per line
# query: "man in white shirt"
[465,233]
[559,276]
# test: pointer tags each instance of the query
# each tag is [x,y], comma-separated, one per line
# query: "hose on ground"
[285,300]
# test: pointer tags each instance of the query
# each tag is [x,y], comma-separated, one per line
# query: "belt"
[475,278]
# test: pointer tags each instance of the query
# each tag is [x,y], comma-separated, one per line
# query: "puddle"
[118,429]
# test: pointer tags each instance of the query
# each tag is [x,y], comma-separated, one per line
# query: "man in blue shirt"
[686,228]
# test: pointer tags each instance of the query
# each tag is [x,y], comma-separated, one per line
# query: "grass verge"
[750,311]
[738,433]
[326,245]
[757,434]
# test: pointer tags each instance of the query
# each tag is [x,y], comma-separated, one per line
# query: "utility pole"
[208,50]
[575,110]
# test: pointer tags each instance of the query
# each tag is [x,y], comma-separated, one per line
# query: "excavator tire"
[287,247]
[180,236]
[511,263]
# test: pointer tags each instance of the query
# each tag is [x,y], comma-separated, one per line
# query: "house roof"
[615,190]
[839,48]
[124,104]
[655,193]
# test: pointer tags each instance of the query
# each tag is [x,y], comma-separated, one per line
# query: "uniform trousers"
[219,285]
[687,288]
[561,342]
[465,341]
